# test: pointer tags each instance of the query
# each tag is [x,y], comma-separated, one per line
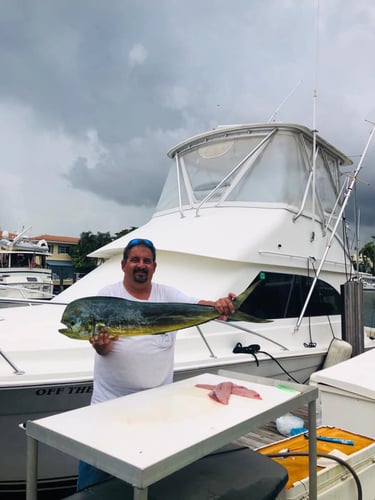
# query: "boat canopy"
[266,164]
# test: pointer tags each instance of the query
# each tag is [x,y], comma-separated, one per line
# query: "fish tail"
[240,299]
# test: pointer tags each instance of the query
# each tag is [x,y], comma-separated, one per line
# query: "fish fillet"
[222,391]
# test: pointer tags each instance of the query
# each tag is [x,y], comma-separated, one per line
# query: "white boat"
[237,206]
[369,307]
[368,281]
[23,268]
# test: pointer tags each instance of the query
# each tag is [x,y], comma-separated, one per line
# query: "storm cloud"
[93,93]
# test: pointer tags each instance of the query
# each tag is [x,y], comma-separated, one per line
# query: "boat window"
[281,295]
[280,161]
[327,181]
[20,260]
[205,167]
[208,165]
[169,195]
[3,260]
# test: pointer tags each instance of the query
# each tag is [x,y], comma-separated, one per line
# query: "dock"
[268,433]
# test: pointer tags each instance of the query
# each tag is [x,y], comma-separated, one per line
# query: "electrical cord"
[254,349]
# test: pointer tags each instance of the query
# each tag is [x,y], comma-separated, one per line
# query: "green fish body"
[88,316]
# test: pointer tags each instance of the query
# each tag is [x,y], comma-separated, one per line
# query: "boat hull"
[57,472]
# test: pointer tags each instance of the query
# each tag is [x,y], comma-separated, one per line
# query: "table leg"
[31,469]
[140,493]
[313,491]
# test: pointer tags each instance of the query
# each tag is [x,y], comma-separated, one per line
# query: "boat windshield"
[22,259]
[257,168]
[280,295]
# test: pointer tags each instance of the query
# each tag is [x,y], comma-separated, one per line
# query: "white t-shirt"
[139,362]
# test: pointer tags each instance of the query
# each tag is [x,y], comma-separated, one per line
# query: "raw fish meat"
[222,391]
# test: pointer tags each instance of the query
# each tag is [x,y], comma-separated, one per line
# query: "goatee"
[140,276]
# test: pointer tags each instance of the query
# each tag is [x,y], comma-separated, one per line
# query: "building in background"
[60,260]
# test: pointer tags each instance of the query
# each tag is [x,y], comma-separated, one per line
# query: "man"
[131,364]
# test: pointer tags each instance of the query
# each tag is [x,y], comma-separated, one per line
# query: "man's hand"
[224,306]
[102,343]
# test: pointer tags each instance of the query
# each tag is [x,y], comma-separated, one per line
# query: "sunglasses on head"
[140,241]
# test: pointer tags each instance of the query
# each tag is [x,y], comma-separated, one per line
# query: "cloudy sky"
[94,92]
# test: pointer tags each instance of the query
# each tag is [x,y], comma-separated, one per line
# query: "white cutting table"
[146,436]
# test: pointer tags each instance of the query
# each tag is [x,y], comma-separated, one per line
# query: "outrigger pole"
[328,246]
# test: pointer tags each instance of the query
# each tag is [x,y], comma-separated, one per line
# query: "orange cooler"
[334,480]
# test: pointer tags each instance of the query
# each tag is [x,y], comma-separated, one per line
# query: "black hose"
[302,454]
[324,455]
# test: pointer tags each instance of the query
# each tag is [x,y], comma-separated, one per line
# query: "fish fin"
[240,299]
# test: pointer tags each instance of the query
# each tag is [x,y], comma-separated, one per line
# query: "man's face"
[139,266]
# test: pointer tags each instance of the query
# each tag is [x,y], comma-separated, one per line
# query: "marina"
[275,236]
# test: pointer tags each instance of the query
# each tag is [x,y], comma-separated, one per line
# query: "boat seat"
[338,351]
[231,473]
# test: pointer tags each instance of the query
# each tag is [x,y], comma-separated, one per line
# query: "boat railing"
[253,332]
[178,168]
[304,198]
[310,181]
[236,326]
[17,371]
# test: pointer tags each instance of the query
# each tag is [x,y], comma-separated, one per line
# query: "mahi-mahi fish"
[88,316]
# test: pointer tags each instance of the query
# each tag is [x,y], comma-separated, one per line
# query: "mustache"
[140,270]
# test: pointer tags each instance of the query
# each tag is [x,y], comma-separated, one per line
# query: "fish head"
[75,328]
[79,320]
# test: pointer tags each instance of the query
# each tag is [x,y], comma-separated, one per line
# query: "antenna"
[273,116]
[19,236]
[315,99]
